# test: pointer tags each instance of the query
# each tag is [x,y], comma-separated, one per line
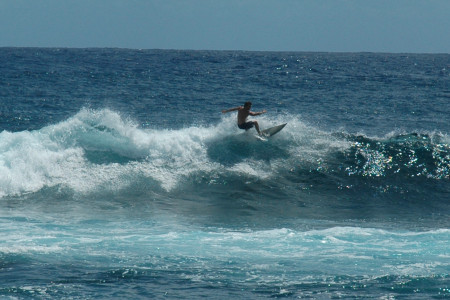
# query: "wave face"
[100,152]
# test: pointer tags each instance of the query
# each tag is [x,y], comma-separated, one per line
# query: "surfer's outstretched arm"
[231,109]
[257,113]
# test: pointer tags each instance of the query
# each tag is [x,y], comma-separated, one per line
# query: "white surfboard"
[272,130]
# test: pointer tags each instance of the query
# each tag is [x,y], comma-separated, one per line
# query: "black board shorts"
[246,125]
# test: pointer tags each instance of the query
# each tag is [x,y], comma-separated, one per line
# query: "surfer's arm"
[257,113]
[231,109]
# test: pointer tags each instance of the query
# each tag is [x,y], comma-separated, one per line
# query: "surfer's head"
[247,104]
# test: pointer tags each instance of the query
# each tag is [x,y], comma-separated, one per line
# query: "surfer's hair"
[247,104]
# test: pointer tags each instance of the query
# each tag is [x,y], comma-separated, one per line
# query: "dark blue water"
[121,178]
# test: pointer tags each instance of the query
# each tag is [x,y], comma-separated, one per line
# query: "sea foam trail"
[101,150]
[266,253]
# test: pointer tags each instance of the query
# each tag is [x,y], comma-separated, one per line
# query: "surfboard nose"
[272,130]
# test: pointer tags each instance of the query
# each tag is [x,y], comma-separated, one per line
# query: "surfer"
[243,113]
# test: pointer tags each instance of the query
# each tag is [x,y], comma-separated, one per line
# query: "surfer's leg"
[257,127]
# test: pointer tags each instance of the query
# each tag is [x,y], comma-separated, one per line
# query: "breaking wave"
[99,149]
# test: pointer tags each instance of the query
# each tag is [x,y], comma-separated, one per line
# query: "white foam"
[30,161]
[21,249]
[57,154]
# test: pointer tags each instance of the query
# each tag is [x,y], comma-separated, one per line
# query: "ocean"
[121,178]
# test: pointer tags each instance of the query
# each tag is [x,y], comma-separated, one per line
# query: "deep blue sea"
[120,178]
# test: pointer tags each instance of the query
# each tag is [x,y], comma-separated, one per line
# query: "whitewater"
[121,178]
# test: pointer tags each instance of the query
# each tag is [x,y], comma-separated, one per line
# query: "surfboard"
[272,130]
